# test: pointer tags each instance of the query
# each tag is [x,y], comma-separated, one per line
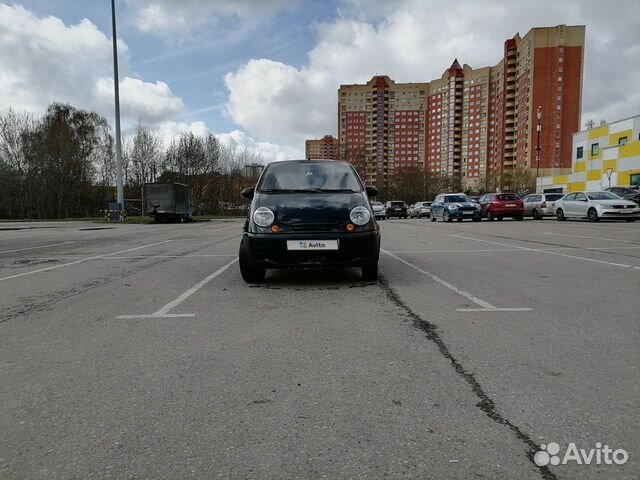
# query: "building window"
[622,141]
[579,152]
[634,180]
[595,149]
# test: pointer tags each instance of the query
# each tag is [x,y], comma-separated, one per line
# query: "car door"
[568,205]
[437,207]
[581,205]
[484,202]
[528,204]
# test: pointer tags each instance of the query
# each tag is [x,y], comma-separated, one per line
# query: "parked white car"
[596,206]
[379,210]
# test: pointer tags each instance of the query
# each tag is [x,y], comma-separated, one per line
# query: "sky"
[264,74]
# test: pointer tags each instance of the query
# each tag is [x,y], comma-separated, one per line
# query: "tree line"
[62,165]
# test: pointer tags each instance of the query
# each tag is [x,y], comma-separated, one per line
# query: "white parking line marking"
[550,252]
[164,311]
[33,248]
[442,282]
[507,309]
[592,238]
[480,250]
[82,260]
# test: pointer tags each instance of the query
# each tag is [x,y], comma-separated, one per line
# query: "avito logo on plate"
[600,455]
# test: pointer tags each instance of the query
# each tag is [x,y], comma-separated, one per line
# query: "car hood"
[619,201]
[311,208]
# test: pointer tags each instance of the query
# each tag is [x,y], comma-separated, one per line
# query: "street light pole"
[539,116]
[116,89]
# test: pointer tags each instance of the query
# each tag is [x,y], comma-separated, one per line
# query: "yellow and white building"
[602,157]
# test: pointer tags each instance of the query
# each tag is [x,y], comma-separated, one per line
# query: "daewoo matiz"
[309,214]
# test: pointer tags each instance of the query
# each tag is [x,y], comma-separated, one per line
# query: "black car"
[309,214]
[396,208]
[627,193]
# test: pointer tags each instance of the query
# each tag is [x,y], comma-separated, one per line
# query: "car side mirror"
[248,192]
[371,191]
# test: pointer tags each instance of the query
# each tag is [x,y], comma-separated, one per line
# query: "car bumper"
[508,212]
[619,214]
[396,213]
[354,250]
[458,214]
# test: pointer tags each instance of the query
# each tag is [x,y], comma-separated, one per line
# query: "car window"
[507,196]
[456,199]
[580,197]
[552,197]
[397,204]
[571,197]
[602,196]
[309,175]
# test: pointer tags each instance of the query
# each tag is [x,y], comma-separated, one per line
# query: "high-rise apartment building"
[326,147]
[471,123]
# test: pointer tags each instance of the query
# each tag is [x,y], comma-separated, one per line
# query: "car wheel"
[490,217]
[536,214]
[446,217]
[560,215]
[476,219]
[500,219]
[370,272]
[433,218]
[519,219]
[250,272]
[592,215]
[459,219]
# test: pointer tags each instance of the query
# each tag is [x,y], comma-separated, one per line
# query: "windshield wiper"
[306,190]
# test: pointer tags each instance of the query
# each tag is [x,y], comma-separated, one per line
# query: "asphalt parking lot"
[137,351]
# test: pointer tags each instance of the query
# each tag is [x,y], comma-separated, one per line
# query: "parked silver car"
[596,206]
[420,209]
[379,210]
[539,205]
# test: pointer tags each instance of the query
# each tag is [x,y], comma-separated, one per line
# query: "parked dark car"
[627,193]
[454,206]
[309,214]
[501,205]
[396,208]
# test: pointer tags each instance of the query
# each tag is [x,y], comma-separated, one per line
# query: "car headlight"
[604,206]
[453,207]
[263,217]
[360,215]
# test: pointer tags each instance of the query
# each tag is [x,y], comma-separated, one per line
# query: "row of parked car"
[613,203]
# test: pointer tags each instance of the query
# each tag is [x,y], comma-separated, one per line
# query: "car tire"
[500,219]
[370,272]
[476,219]
[490,216]
[446,217]
[251,273]
[592,215]
[560,215]
[519,218]
[536,215]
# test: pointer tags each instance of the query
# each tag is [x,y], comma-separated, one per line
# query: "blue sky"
[264,73]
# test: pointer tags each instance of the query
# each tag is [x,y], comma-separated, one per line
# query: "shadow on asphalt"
[324,279]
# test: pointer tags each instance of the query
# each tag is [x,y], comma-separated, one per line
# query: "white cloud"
[42,60]
[267,152]
[183,17]
[416,40]
[140,101]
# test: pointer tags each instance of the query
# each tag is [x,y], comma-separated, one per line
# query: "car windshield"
[309,176]
[456,199]
[553,197]
[602,196]
[508,196]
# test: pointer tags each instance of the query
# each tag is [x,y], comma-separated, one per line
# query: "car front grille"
[314,227]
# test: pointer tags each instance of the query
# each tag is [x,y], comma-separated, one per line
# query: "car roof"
[327,160]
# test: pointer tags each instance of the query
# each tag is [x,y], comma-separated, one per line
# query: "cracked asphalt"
[137,352]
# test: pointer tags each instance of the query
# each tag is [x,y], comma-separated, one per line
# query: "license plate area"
[312,245]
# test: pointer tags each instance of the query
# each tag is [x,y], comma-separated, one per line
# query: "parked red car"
[501,205]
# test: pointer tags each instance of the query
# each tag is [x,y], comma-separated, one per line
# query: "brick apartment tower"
[326,147]
[470,124]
